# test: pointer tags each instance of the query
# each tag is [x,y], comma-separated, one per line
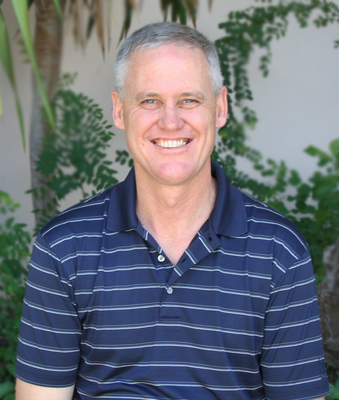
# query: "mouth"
[170,144]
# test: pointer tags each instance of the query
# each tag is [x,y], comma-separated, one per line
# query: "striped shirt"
[236,318]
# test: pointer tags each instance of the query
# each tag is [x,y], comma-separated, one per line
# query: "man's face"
[170,114]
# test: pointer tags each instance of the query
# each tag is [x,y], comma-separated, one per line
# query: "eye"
[189,103]
[150,104]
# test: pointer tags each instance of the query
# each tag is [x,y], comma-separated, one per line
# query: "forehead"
[172,62]
[170,50]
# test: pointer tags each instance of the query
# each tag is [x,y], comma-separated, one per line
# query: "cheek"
[144,121]
[202,122]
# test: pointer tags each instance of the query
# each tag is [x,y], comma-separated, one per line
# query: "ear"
[118,111]
[222,108]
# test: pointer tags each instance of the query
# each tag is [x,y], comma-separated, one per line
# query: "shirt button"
[161,258]
[169,290]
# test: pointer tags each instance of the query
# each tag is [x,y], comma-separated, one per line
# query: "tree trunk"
[328,294]
[48,50]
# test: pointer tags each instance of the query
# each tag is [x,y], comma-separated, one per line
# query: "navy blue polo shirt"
[236,318]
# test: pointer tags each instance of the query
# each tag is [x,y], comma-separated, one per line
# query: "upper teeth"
[171,143]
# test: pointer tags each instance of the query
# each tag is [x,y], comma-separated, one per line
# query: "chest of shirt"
[133,285]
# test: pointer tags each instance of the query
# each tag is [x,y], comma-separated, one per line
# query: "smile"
[167,144]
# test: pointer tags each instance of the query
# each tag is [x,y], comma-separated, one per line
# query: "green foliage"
[14,254]
[334,391]
[124,157]
[74,156]
[21,12]
[7,63]
[316,209]
[180,9]
[256,28]
[7,390]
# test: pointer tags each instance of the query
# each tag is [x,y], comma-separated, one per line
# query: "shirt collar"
[228,217]
[121,213]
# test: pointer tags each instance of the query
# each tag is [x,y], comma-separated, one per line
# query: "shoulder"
[74,237]
[275,233]
[88,215]
[264,219]
[239,215]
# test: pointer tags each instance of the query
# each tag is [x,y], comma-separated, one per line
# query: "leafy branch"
[246,30]
[14,254]
[74,156]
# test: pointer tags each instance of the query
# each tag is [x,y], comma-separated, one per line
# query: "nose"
[170,119]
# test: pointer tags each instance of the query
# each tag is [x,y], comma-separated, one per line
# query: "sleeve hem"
[45,380]
[307,393]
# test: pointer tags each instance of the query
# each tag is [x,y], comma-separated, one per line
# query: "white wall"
[297,104]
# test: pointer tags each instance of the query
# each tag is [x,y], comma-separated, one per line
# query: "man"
[172,284]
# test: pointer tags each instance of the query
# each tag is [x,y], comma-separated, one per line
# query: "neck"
[174,214]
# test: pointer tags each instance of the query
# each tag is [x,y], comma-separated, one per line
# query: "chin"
[174,174]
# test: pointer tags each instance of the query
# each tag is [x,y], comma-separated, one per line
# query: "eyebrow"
[143,95]
[197,94]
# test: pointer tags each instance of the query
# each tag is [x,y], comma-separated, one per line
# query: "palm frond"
[7,63]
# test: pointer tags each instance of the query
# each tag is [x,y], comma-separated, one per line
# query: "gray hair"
[160,34]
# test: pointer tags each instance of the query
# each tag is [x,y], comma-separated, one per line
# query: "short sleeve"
[50,332]
[292,360]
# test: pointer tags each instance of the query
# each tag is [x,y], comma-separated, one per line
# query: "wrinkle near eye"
[150,104]
[189,103]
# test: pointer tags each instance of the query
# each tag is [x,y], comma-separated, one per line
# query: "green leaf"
[334,393]
[294,178]
[58,8]
[21,13]
[6,388]
[334,148]
[11,369]
[127,20]
[6,60]
[90,25]
[182,13]
[10,396]
[324,158]
[324,187]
